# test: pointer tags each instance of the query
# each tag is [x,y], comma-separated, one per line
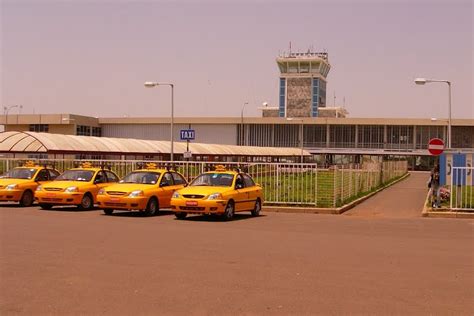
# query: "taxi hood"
[129,187]
[65,184]
[204,190]
[7,181]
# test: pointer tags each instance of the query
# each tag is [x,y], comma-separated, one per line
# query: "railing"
[302,184]
[351,184]
[462,192]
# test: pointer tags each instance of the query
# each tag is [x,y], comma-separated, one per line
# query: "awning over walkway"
[31,142]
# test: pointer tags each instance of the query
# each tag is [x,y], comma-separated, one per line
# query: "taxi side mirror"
[239,186]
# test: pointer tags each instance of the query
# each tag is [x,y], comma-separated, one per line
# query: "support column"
[328,135]
[356,137]
[414,137]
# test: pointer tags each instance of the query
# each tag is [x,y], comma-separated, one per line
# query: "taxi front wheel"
[108,211]
[152,207]
[258,207]
[27,198]
[86,202]
[229,211]
[45,206]
[181,215]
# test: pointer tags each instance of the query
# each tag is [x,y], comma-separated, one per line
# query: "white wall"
[205,133]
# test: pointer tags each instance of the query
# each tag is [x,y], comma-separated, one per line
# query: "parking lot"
[68,262]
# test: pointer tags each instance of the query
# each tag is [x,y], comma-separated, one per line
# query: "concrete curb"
[428,212]
[333,210]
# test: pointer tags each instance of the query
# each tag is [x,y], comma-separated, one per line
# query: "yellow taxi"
[221,192]
[77,186]
[20,183]
[145,190]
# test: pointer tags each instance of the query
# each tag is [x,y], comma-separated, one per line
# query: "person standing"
[435,188]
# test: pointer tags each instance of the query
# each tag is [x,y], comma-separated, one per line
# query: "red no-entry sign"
[436,146]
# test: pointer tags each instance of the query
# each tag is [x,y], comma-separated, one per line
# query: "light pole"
[422,81]
[150,84]
[301,133]
[7,109]
[242,123]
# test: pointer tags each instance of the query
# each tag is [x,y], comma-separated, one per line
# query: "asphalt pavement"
[65,262]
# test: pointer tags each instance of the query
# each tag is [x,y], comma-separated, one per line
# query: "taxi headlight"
[136,193]
[71,189]
[176,195]
[12,186]
[39,188]
[215,196]
[101,192]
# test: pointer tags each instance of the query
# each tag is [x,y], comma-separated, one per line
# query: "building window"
[315,98]
[97,131]
[39,128]
[282,97]
[293,67]
[315,67]
[83,130]
[304,67]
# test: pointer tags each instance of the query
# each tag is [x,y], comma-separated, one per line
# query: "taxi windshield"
[141,177]
[76,175]
[213,179]
[19,173]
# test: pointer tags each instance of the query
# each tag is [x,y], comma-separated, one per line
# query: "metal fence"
[462,192]
[292,184]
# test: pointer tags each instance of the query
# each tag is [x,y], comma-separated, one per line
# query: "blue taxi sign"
[187,134]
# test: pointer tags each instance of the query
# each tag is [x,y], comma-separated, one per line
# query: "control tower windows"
[304,67]
[315,67]
[293,68]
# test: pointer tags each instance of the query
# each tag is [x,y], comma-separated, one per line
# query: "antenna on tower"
[344,102]
[334,98]
[290,48]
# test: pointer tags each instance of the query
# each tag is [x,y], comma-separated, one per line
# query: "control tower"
[302,83]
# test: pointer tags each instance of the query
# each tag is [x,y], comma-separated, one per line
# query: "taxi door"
[252,191]
[167,189]
[241,196]
[42,177]
[100,182]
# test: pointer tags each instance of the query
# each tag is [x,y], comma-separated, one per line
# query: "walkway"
[402,200]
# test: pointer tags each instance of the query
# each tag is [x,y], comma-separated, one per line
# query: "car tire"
[27,198]
[108,211]
[181,215]
[229,211]
[45,206]
[152,207]
[258,207]
[86,203]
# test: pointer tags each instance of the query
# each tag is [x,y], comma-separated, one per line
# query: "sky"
[91,57]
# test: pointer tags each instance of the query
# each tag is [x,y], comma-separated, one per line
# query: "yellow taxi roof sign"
[86,165]
[29,164]
[220,168]
[150,165]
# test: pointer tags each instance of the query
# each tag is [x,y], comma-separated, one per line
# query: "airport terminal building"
[320,136]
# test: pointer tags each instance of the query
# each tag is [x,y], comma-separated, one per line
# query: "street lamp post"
[242,123]
[7,109]
[422,81]
[150,84]
[301,133]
